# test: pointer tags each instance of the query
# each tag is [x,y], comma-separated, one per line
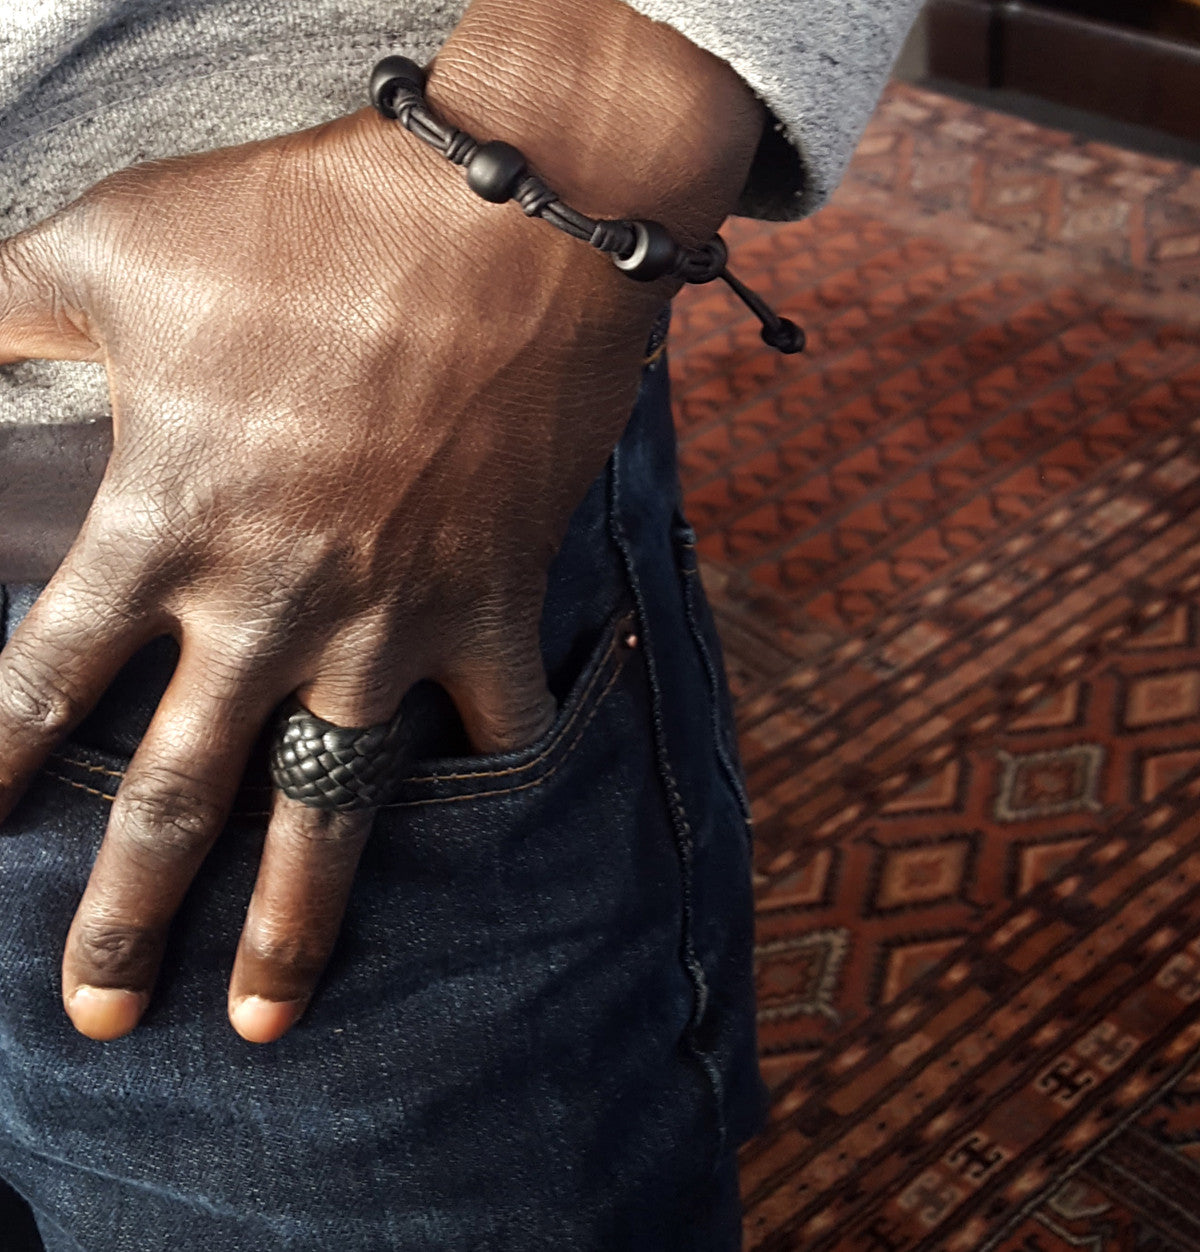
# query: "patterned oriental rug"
[955,557]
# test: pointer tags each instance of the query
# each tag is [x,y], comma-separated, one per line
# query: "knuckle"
[288,949]
[241,652]
[33,695]
[115,949]
[508,720]
[163,814]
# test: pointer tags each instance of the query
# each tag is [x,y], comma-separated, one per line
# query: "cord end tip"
[785,336]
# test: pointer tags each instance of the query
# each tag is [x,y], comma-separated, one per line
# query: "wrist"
[622,116]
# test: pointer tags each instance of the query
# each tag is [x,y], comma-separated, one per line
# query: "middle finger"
[304,880]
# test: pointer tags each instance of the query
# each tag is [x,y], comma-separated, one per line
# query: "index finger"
[57,664]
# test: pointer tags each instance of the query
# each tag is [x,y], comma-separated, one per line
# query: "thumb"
[503,698]
[38,317]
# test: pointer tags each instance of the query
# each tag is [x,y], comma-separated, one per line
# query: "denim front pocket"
[445,780]
[497,1042]
[468,778]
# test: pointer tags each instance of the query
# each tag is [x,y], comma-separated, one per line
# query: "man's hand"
[354,409]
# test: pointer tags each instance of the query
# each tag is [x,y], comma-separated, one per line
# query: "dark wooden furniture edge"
[1115,71]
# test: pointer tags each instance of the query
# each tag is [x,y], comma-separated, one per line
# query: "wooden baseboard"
[960,41]
[1143,77]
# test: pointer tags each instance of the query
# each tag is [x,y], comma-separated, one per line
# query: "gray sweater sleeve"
[91,81]
[89,86]
[818,65]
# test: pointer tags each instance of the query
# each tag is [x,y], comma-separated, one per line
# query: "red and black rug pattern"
[955,557]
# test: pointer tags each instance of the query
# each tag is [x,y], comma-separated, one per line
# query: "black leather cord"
[498,172]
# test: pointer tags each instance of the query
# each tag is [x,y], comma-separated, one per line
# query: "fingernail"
[105,1012]
[263,1021]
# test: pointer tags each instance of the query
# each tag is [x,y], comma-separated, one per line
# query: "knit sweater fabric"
[90,86]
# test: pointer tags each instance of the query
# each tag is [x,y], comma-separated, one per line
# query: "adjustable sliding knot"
[497,172]
[612,237]
[707,262]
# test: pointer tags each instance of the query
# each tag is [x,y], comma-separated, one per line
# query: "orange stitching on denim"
[547,751]
[80,786]
[92,791]
[120,773]
[91,769]
[585,695]
[655,355]
[537,782]
[412,804]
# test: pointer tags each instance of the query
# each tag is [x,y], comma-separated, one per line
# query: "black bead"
[394,74]
[495,171]
[786,337]
[654,254]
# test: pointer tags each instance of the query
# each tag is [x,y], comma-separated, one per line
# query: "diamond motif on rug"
[1040,862]
[905,964]
[798,976]
[928,872]
[809,885]
[938,792]
[1049,784]
[1171,630]
[1164,769]
[1158,698]
[1054,711]
[967,522]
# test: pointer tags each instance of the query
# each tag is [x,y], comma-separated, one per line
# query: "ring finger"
[304,880]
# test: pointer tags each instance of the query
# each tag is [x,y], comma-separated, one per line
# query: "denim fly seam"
[690,573]
[681,827]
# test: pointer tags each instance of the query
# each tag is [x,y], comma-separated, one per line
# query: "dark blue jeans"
[537,1031]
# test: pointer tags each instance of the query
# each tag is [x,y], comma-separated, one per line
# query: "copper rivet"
[631,640]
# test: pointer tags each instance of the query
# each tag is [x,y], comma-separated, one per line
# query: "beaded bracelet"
[498,172]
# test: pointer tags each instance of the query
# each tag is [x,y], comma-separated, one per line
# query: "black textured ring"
[336,767]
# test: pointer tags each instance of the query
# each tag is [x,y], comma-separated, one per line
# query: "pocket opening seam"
[581,704]
[84,765]
[526,786]
[71,782]
[585,703]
